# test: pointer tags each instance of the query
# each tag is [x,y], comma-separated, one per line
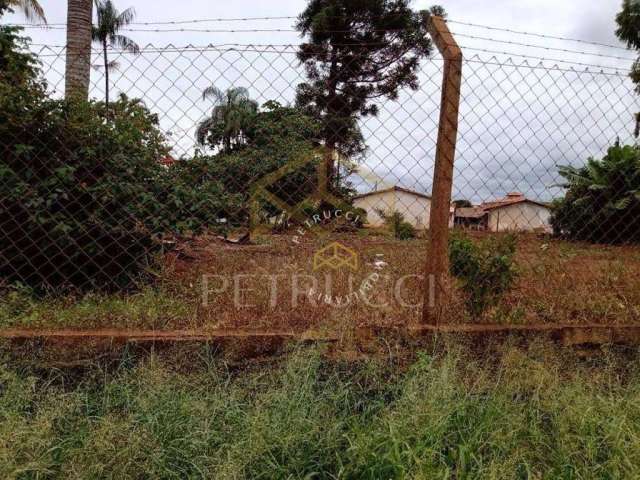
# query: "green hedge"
[84,197]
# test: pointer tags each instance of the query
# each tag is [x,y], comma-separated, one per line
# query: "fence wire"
[522,124]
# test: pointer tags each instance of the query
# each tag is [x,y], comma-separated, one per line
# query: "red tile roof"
[512,198]
[167,160]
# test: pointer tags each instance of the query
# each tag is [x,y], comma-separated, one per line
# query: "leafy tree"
[628,20]
[275,137]
[230,118]
[356,52]
[105,33]
[602,203]
[31,9]
[71,187]
[17,64]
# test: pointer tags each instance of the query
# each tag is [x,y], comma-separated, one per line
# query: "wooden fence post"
[437,266]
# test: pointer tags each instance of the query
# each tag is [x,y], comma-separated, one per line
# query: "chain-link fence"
[203,166]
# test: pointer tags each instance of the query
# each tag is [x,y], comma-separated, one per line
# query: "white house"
[514,212]
[415,206]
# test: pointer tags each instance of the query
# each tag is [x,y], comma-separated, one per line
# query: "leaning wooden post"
[437,267]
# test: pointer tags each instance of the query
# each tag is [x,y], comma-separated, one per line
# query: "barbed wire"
[267,18]
[544,59]
[539,35]
[293,50]
[509,62]
[554,49]
[171,22]
[290,17]
[459,34]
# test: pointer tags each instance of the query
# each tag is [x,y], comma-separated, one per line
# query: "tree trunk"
[331,136]
[79,16]
[106,75]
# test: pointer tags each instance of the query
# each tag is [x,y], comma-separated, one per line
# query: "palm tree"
[110,21]
[31,9]
[230,117]
[78,63]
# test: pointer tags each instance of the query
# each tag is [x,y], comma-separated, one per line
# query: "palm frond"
[213,91]
[236,94]
[113,65]
[95,34]
[125,43]
[104,15]
[31,9]
[125,18]
[621,204]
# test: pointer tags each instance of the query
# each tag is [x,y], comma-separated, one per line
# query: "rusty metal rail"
[566,334]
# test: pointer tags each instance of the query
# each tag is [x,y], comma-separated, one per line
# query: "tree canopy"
[355,53]
[628,20]
[273,137]
[231,116]
[17,64]
[602,203]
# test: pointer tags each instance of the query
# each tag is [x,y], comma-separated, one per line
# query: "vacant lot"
[267,285]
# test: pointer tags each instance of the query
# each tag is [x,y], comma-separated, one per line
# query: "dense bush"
[484,269]
[279,152]
[85,199]
[191,197]
[73,185]
[602,203]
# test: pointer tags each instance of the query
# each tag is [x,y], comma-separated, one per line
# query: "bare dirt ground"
[558,282]
[208,285]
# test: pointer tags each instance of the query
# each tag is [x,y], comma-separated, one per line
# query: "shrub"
[193,197]
[85,200]
[602,203]
[485,270]
[72,184]
[396,223]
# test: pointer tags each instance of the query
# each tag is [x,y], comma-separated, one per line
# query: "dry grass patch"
[557,282]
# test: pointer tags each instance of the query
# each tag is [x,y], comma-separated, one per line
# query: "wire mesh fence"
[203,162]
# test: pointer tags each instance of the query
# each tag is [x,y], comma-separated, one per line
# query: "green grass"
[151,307]
[525,414]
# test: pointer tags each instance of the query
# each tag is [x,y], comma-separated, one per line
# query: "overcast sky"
[588,20]
[516,125]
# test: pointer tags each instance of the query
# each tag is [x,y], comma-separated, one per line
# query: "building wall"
[383,201]
[415,209]
[519,217]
